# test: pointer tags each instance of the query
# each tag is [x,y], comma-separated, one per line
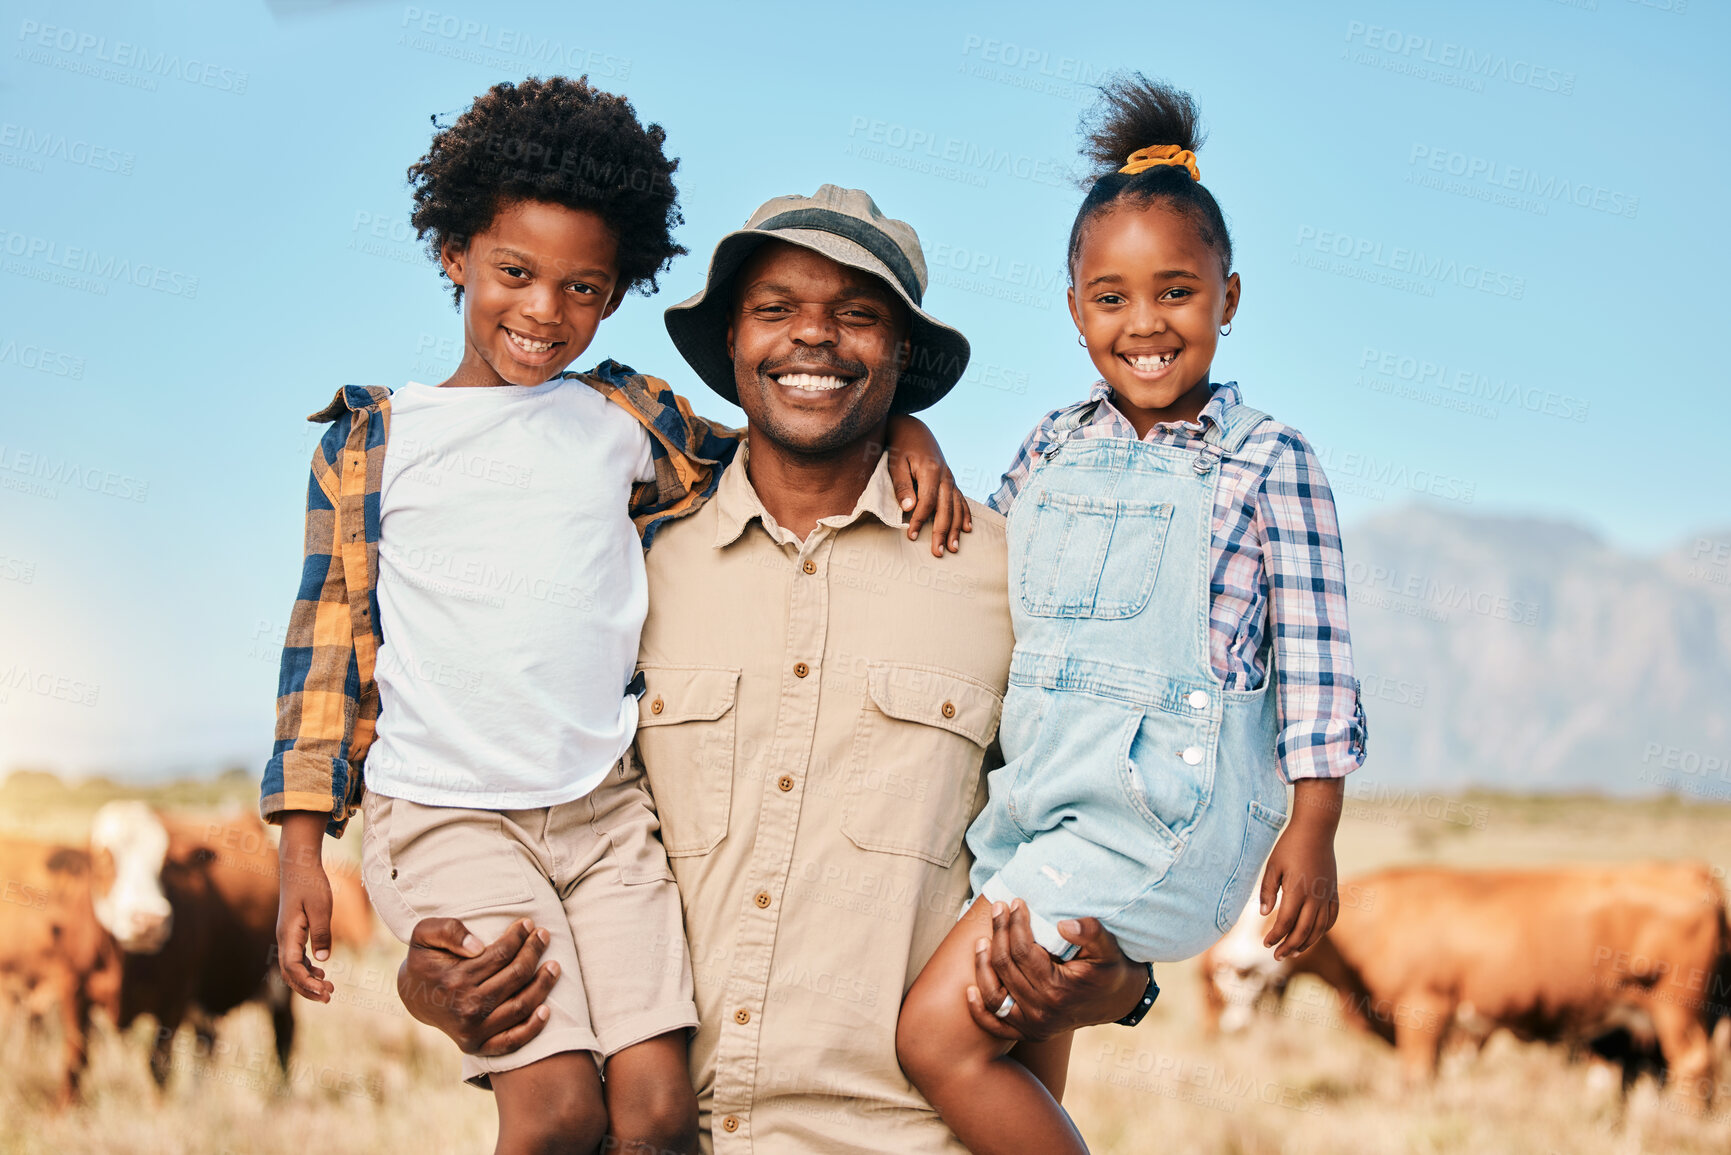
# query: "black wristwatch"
[1147,1003]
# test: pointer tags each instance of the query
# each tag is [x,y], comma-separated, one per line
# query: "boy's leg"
[995,1105]
[629,928]
[551,1107]
[484,867]
[650,1105]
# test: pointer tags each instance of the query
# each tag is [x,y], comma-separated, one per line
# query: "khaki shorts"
[592,872]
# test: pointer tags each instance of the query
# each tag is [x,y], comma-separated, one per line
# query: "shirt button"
[800,669]
[742,1017]
[730,1124]
[1192,755]
[809,566]
[762,899]
[784,783]
[948,710]
[1198,700]
[657,706]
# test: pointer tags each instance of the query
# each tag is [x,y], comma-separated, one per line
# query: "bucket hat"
[846,226]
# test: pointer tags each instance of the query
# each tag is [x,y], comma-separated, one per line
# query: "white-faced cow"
[1596,957]
[193,904]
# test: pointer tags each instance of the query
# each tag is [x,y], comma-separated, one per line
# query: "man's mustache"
[821,365]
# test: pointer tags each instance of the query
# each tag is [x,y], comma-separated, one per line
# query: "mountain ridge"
[1521,652]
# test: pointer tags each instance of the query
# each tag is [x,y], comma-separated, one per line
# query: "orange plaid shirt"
[327,702]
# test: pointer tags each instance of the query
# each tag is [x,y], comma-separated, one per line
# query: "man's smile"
[812,382]
[809,375]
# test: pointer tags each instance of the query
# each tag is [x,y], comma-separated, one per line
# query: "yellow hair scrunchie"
[1153,156]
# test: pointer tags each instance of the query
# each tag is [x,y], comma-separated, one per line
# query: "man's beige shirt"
[815,731]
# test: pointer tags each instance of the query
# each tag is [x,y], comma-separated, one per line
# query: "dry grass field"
[367,1078]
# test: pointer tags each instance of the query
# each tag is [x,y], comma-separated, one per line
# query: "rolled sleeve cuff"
[1327,748]
[294,780]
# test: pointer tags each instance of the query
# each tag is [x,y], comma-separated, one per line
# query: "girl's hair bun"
[1134,113]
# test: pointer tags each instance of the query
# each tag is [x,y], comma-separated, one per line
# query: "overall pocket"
[1091,557]
[1168,770]
[1262,826]
[918,751]
[685,742]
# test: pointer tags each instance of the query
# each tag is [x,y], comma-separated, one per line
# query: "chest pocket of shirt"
[1090,557]
[685,737]
[916,766]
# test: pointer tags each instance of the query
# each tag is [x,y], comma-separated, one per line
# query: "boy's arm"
[315,712]
[925,486]
[690,453]
[303,918]
[708,438]
[316,688]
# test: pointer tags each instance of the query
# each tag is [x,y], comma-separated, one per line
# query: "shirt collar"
[1221,399]
[352,399]
[737,504]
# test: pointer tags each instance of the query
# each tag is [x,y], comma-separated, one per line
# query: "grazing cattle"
[215,893]
[1597,957]
[52,950]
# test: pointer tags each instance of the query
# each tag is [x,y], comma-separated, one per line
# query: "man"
[820,699]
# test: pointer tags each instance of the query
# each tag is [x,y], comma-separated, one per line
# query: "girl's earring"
[1226,330]
[1081,342]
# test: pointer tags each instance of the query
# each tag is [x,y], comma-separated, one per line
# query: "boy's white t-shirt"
[511,594]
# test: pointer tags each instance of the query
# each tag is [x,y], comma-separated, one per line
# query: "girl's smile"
[1150,297]
[1150,366]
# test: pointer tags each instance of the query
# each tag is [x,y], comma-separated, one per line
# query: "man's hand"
[1302,871]
[925,487]
[303,913]
[487,998]
[1097,985]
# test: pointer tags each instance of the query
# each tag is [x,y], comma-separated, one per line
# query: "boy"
[469,611]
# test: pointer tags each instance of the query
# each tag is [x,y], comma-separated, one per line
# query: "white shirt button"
[1198,700]
[1193,756]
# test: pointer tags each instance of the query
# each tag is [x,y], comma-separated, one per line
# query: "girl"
[1172,553]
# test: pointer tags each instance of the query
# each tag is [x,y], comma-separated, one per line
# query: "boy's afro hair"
[558,140]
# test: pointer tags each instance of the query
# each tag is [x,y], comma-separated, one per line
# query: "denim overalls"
[1134,788]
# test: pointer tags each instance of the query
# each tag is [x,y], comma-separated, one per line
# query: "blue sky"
[1475,240]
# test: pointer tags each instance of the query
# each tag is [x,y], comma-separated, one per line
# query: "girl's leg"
[551,1107]
[1047,1061]
[994,1104]
[651,1107]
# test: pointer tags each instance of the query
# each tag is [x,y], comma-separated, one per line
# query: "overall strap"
[1071,418]
[1230,435]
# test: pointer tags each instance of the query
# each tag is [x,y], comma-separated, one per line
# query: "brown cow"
[165,916]
[52,950]
[1569,954]
[217,882]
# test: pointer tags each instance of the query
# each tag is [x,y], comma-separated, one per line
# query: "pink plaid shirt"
[1277,560]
